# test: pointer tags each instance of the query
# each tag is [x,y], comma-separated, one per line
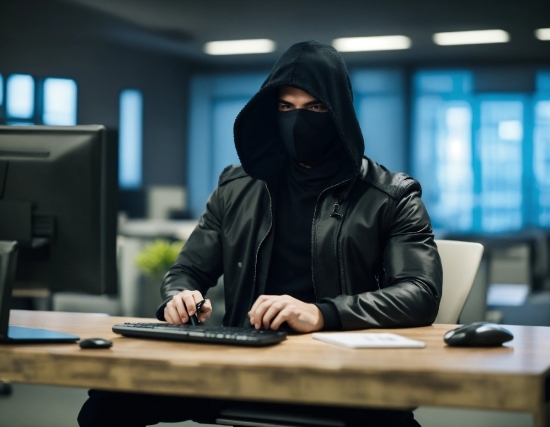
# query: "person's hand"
[270,311]
[183,305]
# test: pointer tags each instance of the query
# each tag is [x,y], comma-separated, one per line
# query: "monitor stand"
[18,334]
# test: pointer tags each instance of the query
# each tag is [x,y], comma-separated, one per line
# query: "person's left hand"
[270,311]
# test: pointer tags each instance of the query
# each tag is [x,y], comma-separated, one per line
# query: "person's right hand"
[183,305]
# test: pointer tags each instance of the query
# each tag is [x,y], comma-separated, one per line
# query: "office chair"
[460,262]
[243,416]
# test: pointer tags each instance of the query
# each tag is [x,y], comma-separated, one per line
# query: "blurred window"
[223,147]
[474,156]
[380,107]
[541,150]
[2,108]
[215,101]
[20,96]
[59,102]
[442,147]
[500,151]
[130,139]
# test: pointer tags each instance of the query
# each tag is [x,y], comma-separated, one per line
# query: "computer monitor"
[18,334]
[58,200]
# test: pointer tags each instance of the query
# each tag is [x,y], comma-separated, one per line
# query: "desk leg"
[5,389]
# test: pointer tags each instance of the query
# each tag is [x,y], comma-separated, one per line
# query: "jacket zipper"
[332,214]
[377,278]
[263,239]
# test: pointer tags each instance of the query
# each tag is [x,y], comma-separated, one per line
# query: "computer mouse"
[95,343]
[478,334]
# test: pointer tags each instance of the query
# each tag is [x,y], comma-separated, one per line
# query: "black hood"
[318,70]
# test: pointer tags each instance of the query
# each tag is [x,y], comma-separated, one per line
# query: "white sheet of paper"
[368,340]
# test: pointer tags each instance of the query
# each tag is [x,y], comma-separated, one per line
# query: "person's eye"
[319,108]
[284,107]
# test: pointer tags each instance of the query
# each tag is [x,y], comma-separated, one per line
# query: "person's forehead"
[295,93]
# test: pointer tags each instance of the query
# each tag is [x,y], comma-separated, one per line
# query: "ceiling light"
[471,37]
[543,34]
[362,44]
[239,47]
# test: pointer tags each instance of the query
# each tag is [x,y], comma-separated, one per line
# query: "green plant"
[156,258]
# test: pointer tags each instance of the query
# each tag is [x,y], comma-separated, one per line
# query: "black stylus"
[194,318]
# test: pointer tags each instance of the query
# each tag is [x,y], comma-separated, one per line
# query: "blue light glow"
[130,139]
[59,102]
[541,160]
[20,96]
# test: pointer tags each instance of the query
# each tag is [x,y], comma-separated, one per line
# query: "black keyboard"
[201,333]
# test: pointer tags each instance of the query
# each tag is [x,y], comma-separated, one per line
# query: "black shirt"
[290,270]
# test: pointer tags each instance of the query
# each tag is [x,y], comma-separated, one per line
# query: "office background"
[471,123]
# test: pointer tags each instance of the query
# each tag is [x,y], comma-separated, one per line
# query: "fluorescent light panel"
[364,44]
[471,37]
[239,47]
[543,34]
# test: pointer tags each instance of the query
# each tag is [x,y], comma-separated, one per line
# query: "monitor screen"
[58,200]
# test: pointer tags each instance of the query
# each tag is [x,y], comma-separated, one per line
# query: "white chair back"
[460,263]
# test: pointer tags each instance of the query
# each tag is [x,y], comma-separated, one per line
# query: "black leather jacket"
[377,264]
[372,249]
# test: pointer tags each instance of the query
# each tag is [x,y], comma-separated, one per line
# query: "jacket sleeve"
[411,290]
[199,264]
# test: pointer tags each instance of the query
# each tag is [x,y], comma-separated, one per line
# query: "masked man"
[308,233]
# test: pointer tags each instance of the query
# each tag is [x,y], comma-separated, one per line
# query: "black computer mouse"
[478,334]
[95,343]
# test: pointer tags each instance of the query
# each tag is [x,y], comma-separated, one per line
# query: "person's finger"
[190,302]
[258,301]
[180,307]
[167,316]
[206,311]
[256,313]
[271,313]
[173,313]
[197,296]
[260,310]
[282,316]
[207,306]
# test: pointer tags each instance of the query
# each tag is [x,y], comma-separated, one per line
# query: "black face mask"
[307,135]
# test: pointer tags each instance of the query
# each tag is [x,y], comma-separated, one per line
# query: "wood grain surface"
[299,369]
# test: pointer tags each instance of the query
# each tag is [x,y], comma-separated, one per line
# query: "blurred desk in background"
[520,258]
[525,256]
[138,295]
[157,228]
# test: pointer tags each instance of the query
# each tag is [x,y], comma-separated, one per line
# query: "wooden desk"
[300,369]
